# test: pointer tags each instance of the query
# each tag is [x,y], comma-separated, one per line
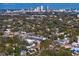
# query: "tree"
[60,52]
[45,44]
[47,53]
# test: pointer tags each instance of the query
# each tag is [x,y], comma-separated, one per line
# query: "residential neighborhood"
[39,31]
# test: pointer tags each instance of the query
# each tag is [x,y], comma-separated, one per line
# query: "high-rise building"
[42,8]
[47,8]
[37,9]
[8,11]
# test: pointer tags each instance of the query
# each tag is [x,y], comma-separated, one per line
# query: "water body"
[34,5]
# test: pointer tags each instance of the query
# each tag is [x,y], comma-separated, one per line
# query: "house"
[31,51]
[7,33]
[40,38]
[75,50]
[31,36]
[30,41]
[62,33]
[74,44]
[38,45]
[60,19]
[23,53]
[78,15]
[78,39]
[30,46]
[63,41]
[67,46]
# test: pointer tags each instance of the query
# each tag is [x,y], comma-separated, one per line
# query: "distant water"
[34,5]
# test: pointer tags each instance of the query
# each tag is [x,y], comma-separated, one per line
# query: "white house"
[23,52]
[30,46]
[78,39]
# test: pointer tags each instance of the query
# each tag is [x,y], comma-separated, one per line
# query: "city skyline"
[34,5]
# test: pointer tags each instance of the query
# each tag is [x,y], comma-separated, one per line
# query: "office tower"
[8,11]
[41,8]
[47,8]
[37,9]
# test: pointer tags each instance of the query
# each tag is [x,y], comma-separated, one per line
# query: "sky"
[34,5]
